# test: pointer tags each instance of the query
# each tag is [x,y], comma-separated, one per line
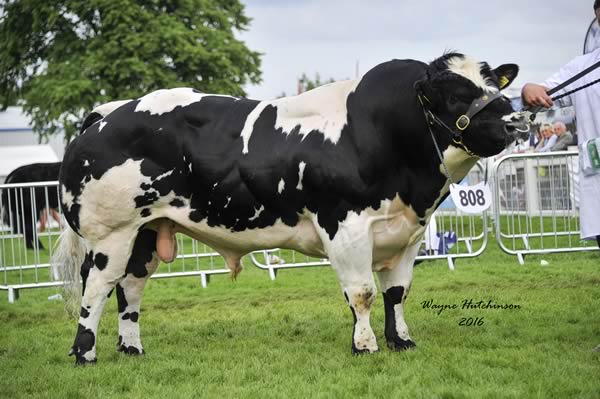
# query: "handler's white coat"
[587,112]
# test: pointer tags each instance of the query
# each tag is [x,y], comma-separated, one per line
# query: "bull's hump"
[322,110]
[166,100]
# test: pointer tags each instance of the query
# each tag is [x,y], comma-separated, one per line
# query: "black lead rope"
[574,78]
[568,93]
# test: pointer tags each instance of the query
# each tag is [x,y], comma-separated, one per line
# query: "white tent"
[11,157]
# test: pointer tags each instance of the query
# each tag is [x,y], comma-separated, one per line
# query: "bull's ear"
[506,73]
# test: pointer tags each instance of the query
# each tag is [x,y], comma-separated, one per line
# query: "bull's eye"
[452,99]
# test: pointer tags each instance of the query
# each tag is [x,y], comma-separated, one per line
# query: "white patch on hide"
[228,201]
[102,124]
[166,100]
[301,167]
[257,213]
[107,108]
[86,163]
[471,69]
[322,110]
[514,116]
[280,186]
[168,173]
[67,197]
[455,159]
[108,203]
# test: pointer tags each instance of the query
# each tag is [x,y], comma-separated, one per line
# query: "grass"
[257,338]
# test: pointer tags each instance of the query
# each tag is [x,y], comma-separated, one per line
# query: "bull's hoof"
[130,350]
[80,360]
[398,344]
[358,352]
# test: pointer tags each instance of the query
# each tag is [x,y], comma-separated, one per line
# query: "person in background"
[564,137]
[548,138]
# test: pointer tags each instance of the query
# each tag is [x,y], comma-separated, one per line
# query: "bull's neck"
[458,163]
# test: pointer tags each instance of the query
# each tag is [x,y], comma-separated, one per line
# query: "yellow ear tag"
[503,81]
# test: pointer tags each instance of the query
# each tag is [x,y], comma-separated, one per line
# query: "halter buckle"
[462,122]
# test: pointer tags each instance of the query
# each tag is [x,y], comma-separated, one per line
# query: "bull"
[347,171]
[23,207]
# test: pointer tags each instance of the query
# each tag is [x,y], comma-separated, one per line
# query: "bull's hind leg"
[350,253]
[141,265]
[103,268]
[395,285]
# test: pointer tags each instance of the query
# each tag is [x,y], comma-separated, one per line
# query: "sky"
[330,37]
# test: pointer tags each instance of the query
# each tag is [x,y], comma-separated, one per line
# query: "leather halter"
[463,121]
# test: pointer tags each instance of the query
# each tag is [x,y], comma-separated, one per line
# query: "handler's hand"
[533,94]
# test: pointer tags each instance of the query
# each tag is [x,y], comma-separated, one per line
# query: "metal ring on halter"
[462,122]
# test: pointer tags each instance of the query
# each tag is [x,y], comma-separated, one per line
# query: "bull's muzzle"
[518,127]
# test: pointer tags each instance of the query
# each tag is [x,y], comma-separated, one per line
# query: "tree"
[63,57]
[305,83]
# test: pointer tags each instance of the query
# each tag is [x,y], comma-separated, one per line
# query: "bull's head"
[463,96]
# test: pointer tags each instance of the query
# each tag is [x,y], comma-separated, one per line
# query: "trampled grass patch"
[256,338]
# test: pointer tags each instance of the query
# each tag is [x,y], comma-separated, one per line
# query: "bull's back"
[177,149]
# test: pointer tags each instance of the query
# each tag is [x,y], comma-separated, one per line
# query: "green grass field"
[256,338]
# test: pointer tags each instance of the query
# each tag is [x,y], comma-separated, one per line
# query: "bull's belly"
[390,237]
[302,237]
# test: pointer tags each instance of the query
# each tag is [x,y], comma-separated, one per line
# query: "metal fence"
[537,204]
[455,235]
[535,211]
[31,224]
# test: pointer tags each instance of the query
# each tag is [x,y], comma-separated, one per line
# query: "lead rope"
[564,84]
[485,175]
[575,90]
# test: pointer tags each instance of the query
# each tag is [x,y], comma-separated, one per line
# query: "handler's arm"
[536,95]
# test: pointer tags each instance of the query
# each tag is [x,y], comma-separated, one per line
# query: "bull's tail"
[66,266]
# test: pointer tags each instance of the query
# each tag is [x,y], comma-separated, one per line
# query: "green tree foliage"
[63,57]
[309,84]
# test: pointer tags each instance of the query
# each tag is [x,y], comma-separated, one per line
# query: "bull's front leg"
[395,285]
[350,253]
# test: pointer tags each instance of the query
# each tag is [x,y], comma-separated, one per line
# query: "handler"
[587,104]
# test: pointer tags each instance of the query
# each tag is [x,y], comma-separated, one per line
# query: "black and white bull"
[347,171]
[23,207]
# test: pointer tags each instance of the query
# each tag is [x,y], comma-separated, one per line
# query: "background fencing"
[536,207]
[26,250]
[535,211]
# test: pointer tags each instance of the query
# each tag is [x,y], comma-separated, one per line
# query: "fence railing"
[537,204]
[31,224]
[535,211]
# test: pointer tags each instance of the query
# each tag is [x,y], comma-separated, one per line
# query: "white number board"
[471,199]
